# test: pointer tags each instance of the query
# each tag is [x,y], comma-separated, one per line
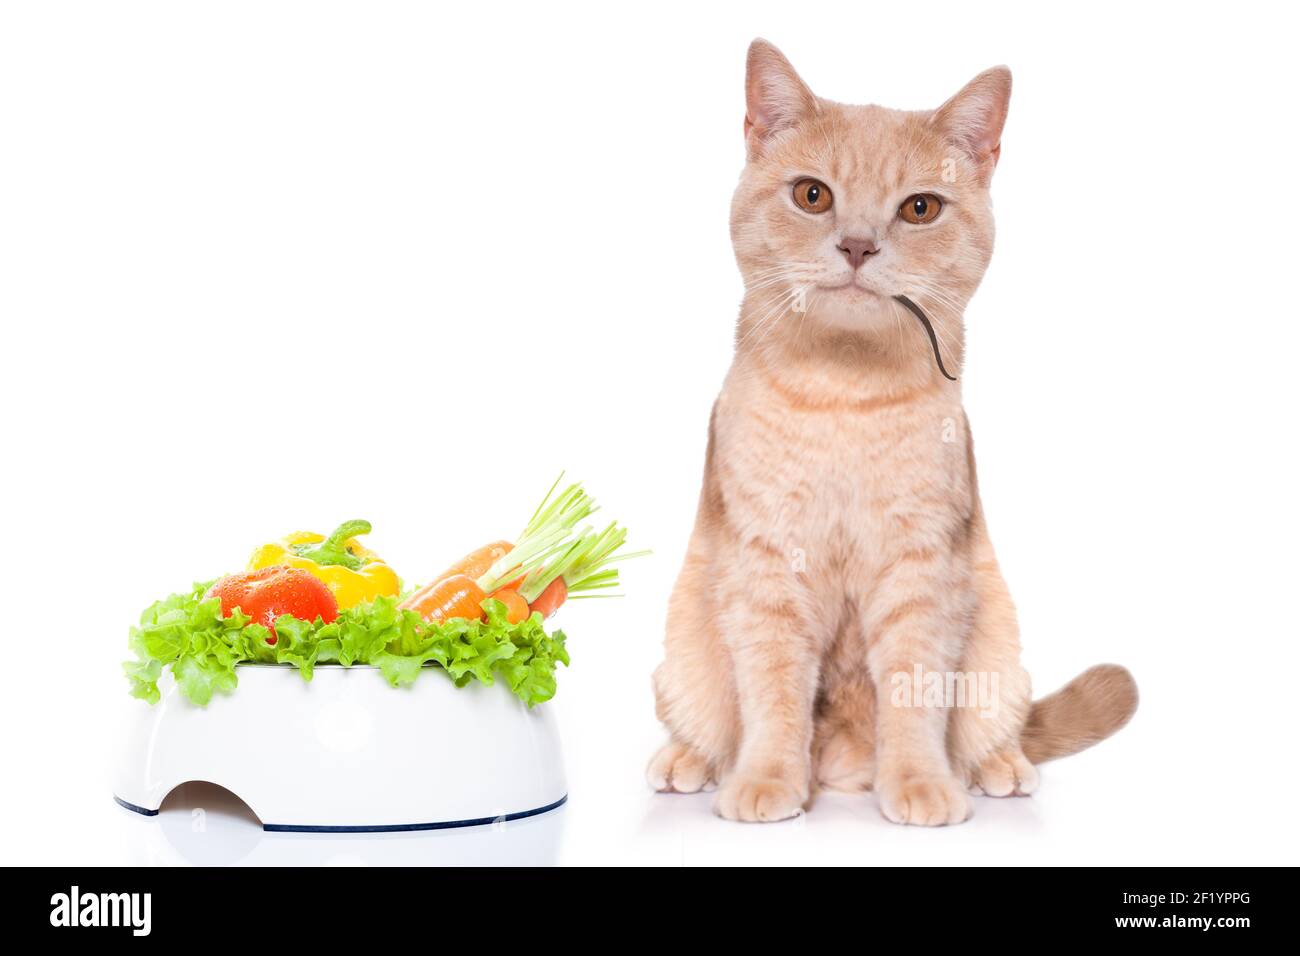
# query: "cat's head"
[841,208]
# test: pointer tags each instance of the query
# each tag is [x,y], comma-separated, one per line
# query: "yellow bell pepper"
[353,573]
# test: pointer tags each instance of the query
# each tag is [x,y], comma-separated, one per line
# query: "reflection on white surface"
[204,825]
[839,829]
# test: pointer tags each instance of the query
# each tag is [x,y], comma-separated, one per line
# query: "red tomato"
[267,593]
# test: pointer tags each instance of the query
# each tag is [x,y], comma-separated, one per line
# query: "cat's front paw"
[928,800]
[751,798]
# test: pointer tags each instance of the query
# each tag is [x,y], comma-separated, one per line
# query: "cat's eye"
[810,195]
[921,208]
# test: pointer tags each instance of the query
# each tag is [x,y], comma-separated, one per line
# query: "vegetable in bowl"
[189,634]
[479,621]
[268,593]
[353,573]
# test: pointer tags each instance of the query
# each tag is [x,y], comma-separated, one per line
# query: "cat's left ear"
[972,120]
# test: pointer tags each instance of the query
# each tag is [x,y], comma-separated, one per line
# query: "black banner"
[188,904]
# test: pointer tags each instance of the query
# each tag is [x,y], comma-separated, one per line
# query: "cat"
[840,553]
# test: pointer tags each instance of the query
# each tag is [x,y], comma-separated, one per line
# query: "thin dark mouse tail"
[929,330]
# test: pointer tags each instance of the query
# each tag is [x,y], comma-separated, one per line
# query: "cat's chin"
[853,308]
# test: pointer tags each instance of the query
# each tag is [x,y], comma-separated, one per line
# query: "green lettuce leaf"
[187,634]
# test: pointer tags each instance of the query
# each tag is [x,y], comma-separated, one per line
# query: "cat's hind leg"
[695,695]
[844,760]
[1004,773]
[984,733]
[680,768]
[844,745]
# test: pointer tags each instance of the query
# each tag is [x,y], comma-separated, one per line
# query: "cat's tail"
[1085,711]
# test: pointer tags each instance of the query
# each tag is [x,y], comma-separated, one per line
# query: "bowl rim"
[332,665]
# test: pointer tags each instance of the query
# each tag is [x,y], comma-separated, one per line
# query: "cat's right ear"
[973,119]
[775,97]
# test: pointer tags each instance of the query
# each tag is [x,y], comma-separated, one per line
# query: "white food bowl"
[347,752]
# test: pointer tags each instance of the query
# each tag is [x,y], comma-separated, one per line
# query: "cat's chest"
[820,467]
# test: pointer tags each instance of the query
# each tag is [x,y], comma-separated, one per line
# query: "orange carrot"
[515,584]
[516,607]
[454,596]
[549,601]
[475,564]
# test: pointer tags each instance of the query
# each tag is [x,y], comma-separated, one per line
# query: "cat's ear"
[775,97]
[972,120]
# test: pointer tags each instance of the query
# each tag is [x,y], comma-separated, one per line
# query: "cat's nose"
[857,250]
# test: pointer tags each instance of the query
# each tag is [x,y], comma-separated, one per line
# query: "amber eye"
[812,196]
[921,208]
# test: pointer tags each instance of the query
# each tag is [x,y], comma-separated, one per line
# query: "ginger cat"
[840,554]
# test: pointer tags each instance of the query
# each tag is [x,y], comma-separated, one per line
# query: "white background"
[270,266]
